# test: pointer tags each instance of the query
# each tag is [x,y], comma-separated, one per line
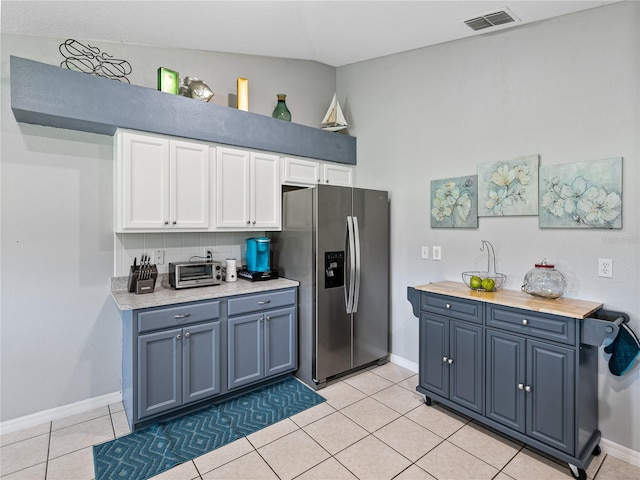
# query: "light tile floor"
[374,425]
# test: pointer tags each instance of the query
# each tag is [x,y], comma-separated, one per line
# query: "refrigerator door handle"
[348,294]
[356,241]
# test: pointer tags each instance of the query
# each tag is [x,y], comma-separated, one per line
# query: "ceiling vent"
[492,19]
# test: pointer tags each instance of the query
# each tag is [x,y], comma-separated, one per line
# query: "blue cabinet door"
[550,396]
[505,396]
[245,350]
[434,353]
[280,341]
[160,372]
[466,365]
[201,365]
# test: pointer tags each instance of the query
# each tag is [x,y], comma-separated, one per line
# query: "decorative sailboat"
[334,118]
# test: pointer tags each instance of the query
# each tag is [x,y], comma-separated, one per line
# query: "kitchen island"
[186,349]
[522,365]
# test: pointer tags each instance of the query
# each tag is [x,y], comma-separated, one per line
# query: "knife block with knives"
[142,278]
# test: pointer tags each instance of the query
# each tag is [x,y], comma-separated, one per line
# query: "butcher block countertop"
[566,307]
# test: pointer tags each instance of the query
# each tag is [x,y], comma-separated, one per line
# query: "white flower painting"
[454,202]
[508,187]
[581,195]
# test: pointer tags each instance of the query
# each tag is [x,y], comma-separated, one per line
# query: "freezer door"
[371,320]
[333,324]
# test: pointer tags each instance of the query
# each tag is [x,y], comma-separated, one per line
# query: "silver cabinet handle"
[183,315]
[174,222]
[187,335]
[254,222]
[248,222]
[327,181]
[264,302]
[444,359]
[448,305]
[178,336]
[268,318]
[450,361]
[527,388]
[166,222]
[521,386]
[525,321]
[262,319]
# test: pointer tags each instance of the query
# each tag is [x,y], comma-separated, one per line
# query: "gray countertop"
[165,295]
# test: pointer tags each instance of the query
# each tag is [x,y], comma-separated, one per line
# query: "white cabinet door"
[232,188]
[160,183]
[247,190]
[142,182]
[189,185]
[297,171]
[265,191]
[335,174]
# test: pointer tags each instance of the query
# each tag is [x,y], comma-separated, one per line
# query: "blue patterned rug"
[161,446]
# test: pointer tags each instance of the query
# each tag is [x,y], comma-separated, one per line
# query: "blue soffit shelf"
[47,95]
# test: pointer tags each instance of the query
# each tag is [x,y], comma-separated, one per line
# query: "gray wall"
[567,89]
[61,333]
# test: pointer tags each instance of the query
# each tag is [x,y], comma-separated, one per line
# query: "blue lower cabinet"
[177,367]
[261,345]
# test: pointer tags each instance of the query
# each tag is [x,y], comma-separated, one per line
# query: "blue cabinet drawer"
[452,307]
[541,325]
[178,316]
[260,302]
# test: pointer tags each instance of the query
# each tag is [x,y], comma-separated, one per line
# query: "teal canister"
[258,251]
[281,111]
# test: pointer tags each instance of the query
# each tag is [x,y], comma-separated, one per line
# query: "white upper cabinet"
[336,174]
[248,193]
[160,183]
[298,171]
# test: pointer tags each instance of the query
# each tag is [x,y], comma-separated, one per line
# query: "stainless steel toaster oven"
[195,274]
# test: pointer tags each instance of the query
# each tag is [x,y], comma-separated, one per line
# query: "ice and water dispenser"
[333,269]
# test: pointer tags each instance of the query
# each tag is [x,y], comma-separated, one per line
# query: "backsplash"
[179,247]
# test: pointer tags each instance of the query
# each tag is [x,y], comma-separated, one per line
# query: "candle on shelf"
[243,94]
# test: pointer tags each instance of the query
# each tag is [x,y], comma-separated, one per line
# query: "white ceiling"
[337,32]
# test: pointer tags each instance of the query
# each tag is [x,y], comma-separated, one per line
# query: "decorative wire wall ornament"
[88,59]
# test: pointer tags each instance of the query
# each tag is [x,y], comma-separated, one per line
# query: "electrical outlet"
[159,254]
[605,267]
[425,252]
[437,253]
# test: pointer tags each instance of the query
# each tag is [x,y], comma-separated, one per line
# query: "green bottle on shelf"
[281,111]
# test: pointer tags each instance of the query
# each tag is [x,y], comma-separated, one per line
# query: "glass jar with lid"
[544,281]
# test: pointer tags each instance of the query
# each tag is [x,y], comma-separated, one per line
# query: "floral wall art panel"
[454,202]
[581,195]
[508,187]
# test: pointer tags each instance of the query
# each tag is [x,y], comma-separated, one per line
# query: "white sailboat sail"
[334,118]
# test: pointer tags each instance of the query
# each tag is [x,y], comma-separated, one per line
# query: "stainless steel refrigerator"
[335,242]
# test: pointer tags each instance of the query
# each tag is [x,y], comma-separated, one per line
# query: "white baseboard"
[610,448]
[44,416]
[620,452]
[403,362]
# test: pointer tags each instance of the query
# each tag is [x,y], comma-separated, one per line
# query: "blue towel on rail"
[624,350]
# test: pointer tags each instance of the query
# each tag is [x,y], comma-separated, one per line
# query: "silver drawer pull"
[527,388]
[444,359]
[264,302]
[450,361]
[183,315]
[525,321]
[187,335]
[448,305]
[521,386]
[268,318]
[178,336]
